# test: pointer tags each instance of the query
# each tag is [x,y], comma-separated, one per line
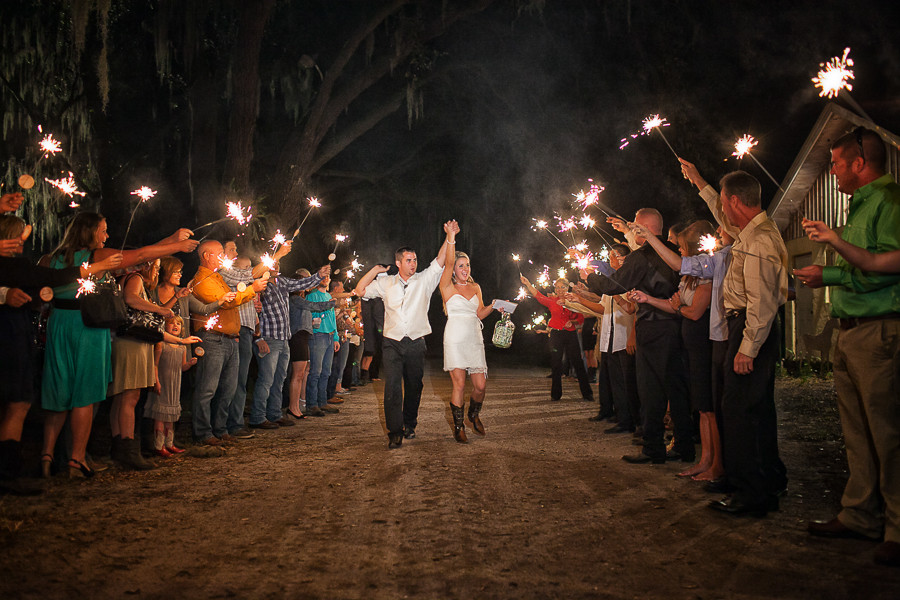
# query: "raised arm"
[442,253]
[165,247]
[671,258]
[368,278]
[449,261]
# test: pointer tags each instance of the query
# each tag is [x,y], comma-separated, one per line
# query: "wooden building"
[811,191]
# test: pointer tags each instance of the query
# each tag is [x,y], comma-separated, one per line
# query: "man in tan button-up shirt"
[754,288]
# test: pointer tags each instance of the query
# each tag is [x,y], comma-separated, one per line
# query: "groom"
[406,298]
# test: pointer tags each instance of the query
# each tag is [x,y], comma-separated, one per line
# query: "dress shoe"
[329,409]
[264,425]
[596,418]
[732,506]
[286,421]
[587,398]
[242,434]
[395,440]
[409,433]
[335,400]
[228,440]
[718,486]
[642,459]
[315,411]
[834,529]
[888,554]
[617,429]
[211,441]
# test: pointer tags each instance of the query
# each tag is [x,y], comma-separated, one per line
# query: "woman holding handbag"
[133,363]
[78,362]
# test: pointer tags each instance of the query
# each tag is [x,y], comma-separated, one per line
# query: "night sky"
[526,108]
[522,107]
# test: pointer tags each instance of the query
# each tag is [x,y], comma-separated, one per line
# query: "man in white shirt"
[406,298]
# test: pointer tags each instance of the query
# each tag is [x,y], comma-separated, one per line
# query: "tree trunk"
[252,21]
[203,100]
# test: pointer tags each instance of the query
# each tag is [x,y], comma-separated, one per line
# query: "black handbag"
[104,308]
[143,326]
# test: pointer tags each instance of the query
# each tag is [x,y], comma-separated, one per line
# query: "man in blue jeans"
[323,344]
[217,371]
[272,351]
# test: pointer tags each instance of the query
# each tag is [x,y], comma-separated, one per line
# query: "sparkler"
[542,224]
[211,322]
[544,278]
[313,203]
[338,239]
[649,124]
[708,243]
[743,147]
[516,259]
[144,193]
[49,145]
[521,295]
[234,210]
[66,186]
[87,286]
[267,260]
[834,76]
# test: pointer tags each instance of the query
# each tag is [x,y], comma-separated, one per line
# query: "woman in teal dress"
[77,362]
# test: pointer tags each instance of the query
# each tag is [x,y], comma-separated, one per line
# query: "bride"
[463,343]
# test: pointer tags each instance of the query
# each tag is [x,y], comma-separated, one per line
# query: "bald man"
[660,374]
[217,370]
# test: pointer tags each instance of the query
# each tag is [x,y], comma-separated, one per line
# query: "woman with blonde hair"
[463,342]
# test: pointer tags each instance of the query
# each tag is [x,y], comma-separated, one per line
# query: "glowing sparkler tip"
[708,243]
[227,263]
[66,186]
[744,145]
[540,223]
[211,322]
[340,237]
[314,202]
[86,286]
[279,238]
[515,257]
[236,211]
[834,75]
[653,121]
[144,193]
[49,145]
[267,260]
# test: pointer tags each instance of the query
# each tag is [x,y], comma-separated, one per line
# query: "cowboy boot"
[474,409]
[459,426]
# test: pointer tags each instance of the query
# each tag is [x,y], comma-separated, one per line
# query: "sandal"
[80,470]
[298,417]
[46,464]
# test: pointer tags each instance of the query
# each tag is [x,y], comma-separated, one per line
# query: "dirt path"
[542,507]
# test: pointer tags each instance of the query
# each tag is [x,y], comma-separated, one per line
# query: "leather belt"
[67,303]
[852,322]
[734,313]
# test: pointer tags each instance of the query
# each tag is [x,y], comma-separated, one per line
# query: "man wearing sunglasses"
[867,355]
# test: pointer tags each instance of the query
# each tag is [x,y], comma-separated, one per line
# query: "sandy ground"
[542,507]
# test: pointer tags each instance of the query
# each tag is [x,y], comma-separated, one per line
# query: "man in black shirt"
[660,374]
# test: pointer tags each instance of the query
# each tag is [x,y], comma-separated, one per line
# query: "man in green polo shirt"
[867,356]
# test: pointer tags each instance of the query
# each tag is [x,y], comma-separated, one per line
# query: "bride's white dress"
[463,343]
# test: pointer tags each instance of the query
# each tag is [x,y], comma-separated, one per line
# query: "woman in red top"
[563,338]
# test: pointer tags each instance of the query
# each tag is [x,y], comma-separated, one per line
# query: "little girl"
[164,402]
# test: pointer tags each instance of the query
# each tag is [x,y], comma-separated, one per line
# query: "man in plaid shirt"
[272,351]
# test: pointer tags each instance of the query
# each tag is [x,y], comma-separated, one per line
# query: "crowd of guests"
[681,339]
[177,345]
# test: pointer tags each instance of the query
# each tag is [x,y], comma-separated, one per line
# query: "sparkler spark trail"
[590,197]
[708,243]
[227,263]
[49,145]
[66,186]
[648,125]
[743,145]
[234,210]
[835,75]
[338,237]
[521,295]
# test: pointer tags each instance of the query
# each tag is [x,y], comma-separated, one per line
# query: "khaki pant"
[867,380]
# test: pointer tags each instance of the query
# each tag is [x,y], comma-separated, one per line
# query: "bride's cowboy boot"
[474,409]
[459,426]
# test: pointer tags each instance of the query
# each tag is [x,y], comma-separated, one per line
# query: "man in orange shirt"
[217,371]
